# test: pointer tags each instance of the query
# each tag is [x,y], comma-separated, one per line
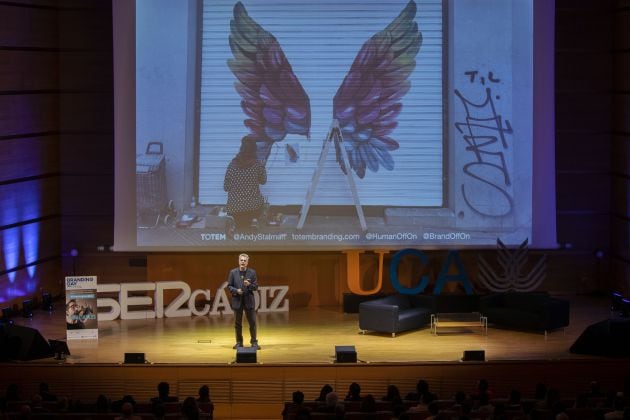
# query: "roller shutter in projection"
[321,40]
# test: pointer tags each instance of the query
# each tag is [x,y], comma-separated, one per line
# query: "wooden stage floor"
[298,353]
[308,335]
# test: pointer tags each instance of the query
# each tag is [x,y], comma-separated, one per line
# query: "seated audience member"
[552,397]
[499,412]
[368,404]
[102,404]
[158,410]
[44,391]
[465,411]
[354,392]
[37,404]
[422,387]
[434,411]
[204,401]
[25,412]
[332,405]
[423,404]
[323,392]
[540,394]
[116,406]
[484,405]
[483,387]
[190,409]
[581,401]
[303,414]
[458,400]
[12,393]
[203,395]
[618,409]
[595,391]
[164,393]
[514,401]
[393,395]
[297,404]
[126,412]
[63,405]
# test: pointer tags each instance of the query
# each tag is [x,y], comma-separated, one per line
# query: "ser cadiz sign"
[133,296]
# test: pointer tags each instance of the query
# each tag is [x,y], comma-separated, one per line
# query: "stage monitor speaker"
[610,337]
[345,354]
[134,358]
[474,356]
[25,343]
[245,355]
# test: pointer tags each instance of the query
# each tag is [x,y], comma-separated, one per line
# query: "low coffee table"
[457,321]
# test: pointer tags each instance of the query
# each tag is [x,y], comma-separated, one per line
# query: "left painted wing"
[370,97]
[272,97]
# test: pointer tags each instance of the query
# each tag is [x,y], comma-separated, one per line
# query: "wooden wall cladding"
[590,152]
[583,192]
[31,283]
[621,155]
[29,149]
[28,113]
[620,242]
[29,243]
[584,109]
[573,74]
[44,64]
[622,68]
[622,25]
[29,201]
[87,138]
[621,112]
[27,157]
[28,26]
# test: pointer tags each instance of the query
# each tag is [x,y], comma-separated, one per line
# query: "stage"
[298,352]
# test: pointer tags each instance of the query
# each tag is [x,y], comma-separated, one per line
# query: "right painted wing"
[370,97]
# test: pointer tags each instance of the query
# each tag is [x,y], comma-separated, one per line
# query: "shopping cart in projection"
[153,208]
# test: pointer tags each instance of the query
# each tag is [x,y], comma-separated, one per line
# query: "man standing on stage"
[242,282]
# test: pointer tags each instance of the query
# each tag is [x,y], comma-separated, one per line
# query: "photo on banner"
[81,307]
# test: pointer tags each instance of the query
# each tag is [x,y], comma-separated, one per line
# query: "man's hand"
[239,291]
[247,282]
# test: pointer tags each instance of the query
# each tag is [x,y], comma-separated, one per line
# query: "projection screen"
[377,124]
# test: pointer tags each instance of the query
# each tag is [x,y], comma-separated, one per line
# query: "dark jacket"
[236,281]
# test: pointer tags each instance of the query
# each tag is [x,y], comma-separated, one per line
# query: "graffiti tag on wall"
[486,184]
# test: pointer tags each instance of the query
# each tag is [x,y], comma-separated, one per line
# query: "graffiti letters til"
[486,186]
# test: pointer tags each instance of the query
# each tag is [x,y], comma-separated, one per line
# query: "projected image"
[277,125]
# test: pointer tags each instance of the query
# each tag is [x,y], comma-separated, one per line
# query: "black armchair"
[396,313]
[536,311]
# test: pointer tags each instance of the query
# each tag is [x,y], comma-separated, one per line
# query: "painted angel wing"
[369,99]
[272,97]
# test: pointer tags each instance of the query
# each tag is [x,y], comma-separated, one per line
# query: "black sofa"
[397,313]
[534,311]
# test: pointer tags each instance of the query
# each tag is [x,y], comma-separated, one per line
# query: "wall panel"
[583,191]
[28,27]
[28,113]
[44,74]
[29,149]
[27,157]
[590,151]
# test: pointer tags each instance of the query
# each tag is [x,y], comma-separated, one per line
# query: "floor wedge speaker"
[25,343]
[345,354]
[245,355]
[134,358]
[610,338]
[474,356]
